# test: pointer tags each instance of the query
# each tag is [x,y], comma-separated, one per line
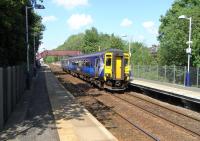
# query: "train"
[109,69]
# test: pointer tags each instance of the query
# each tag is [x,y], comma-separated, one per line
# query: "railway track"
[195,131]
[148,118]
[153,137]
[164,107]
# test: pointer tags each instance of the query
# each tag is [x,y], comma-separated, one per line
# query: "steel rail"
[135,125]
[198,134]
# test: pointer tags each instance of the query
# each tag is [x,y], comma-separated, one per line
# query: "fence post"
[9,101]
[21,82]
[184,75]
[17,83]
[197,77]
[174,74]
[157,71]
[149,72]
[165,73]
[13,87]
[1,100]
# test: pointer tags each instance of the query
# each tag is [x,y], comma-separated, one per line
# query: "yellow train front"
[107,69]
[116,70]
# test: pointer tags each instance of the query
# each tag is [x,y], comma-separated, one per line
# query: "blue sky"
[137,19]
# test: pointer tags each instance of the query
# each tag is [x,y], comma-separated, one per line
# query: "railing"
[12,87]
[169,74]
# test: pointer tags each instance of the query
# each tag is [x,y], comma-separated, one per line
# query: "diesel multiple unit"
[108,69]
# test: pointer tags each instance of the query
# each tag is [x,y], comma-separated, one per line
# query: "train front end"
[116,70]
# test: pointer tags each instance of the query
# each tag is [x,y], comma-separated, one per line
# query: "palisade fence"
[169,74]
[12,87]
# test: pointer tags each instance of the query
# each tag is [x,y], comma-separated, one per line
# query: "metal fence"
[169,74]
[12,87]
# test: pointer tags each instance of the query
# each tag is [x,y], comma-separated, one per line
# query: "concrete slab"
[74,122]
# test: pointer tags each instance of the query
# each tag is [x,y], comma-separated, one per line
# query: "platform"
[73,121]
[186,93]
[49,112]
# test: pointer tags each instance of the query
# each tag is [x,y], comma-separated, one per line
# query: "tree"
[90,41]
[116,42]
[173,34]
[74,42]
[140,54]
[12,31]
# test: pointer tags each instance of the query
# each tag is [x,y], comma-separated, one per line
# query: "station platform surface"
[187,93]
[73,121]
[49,112]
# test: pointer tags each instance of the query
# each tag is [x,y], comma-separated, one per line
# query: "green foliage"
[116,42]
[12,31]
[140,54]
[92,41]
[50,59]
[173,34]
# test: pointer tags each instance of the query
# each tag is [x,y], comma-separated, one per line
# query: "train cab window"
[126,62]
[108,61]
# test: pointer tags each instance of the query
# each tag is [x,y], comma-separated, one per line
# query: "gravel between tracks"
[104,107]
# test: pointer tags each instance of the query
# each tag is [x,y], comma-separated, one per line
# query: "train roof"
[94,54]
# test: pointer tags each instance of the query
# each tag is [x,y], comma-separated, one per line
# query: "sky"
[135,20]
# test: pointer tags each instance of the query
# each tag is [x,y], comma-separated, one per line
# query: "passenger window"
[87,64]
[108,61]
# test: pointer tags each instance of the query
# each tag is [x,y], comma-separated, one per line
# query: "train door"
[118,67]
[97,65]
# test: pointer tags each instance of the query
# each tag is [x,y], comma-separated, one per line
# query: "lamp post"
[34,49]
[129,50]
[188,50]
[34,56]
[36,6]
[129,44]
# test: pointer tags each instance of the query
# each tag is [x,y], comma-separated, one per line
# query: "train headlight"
[107,74]
[127,76]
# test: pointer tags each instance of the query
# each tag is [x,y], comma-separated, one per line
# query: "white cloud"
[70,4]
[150,27]
[126,23]
[76,21]
[48,19]
[148,24]
[141,38]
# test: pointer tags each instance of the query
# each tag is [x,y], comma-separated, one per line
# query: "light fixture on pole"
[36,6]
[188,50]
